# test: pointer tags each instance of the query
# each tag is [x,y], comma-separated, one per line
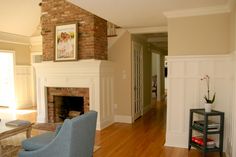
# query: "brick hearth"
[52,108]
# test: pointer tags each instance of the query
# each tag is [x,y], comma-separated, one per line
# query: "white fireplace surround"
[96,75]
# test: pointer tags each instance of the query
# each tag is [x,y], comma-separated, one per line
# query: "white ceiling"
[19,16]
[141,13]
[23,16]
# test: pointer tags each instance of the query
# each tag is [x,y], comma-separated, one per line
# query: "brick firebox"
[52,91]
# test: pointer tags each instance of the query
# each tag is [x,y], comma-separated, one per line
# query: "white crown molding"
[13,42]
[190,57]
[14,39]
[141,30]
[37,40]
[198,11]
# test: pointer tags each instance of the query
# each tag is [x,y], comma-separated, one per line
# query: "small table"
[8,131]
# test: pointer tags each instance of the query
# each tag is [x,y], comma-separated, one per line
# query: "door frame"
[134,43]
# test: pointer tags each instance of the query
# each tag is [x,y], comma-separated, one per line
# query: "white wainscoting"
[23,86]
[96,75]
[186,91]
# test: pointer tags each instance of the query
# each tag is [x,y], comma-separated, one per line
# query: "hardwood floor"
[144,138]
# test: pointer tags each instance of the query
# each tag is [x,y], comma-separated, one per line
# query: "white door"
[137,80]
[7,96]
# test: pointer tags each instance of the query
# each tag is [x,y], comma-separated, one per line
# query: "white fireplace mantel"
[96,75]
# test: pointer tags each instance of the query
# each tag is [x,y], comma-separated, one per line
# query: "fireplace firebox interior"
[68,104]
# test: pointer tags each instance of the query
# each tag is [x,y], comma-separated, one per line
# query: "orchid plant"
[207,97]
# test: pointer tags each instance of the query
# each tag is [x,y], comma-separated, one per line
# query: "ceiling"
[19,16]
[23,16]
[142,13]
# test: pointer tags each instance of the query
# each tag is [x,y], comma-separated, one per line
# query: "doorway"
[154,48]
[137,80]
[156,76]
[7,92]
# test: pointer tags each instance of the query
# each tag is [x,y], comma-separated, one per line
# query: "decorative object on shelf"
[208,99]
[66,42]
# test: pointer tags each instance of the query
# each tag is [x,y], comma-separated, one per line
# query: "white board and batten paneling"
[186,91]
[23,86]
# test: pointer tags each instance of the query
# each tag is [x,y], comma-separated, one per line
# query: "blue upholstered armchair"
[75,139]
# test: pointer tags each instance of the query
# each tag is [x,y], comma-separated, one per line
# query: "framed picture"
[66,42]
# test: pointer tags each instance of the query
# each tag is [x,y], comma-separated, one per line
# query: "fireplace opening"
[68,107]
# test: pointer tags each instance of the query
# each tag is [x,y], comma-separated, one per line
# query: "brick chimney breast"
[92,30]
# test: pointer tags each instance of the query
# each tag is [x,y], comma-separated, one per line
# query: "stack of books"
[211,127]
[199,140]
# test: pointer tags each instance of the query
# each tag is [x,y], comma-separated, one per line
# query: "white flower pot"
[208,107]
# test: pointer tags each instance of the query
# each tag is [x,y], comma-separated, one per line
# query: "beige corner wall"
[22,52]
[120,55]
[199,35]
[147,77]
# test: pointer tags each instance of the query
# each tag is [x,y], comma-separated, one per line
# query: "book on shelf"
[17,123]
[199,140]
[202,128]
[211,125]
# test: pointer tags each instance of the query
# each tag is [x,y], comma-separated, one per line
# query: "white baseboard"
[123,119]
[105,123]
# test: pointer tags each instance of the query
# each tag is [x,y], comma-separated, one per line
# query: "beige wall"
[199,35]
[22,52]
[120,54]
[36,48]
[147,76]
[232,31]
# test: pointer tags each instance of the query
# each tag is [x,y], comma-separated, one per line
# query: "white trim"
[96,75]
[196,57]
[13,42]
[123,119]
[176,139]
[141,30]
[198,11]
[185,91]
[14,38]
[37,40]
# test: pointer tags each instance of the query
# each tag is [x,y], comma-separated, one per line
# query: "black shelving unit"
[205,131]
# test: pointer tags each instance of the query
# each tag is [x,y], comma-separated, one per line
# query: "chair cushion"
[37,142]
